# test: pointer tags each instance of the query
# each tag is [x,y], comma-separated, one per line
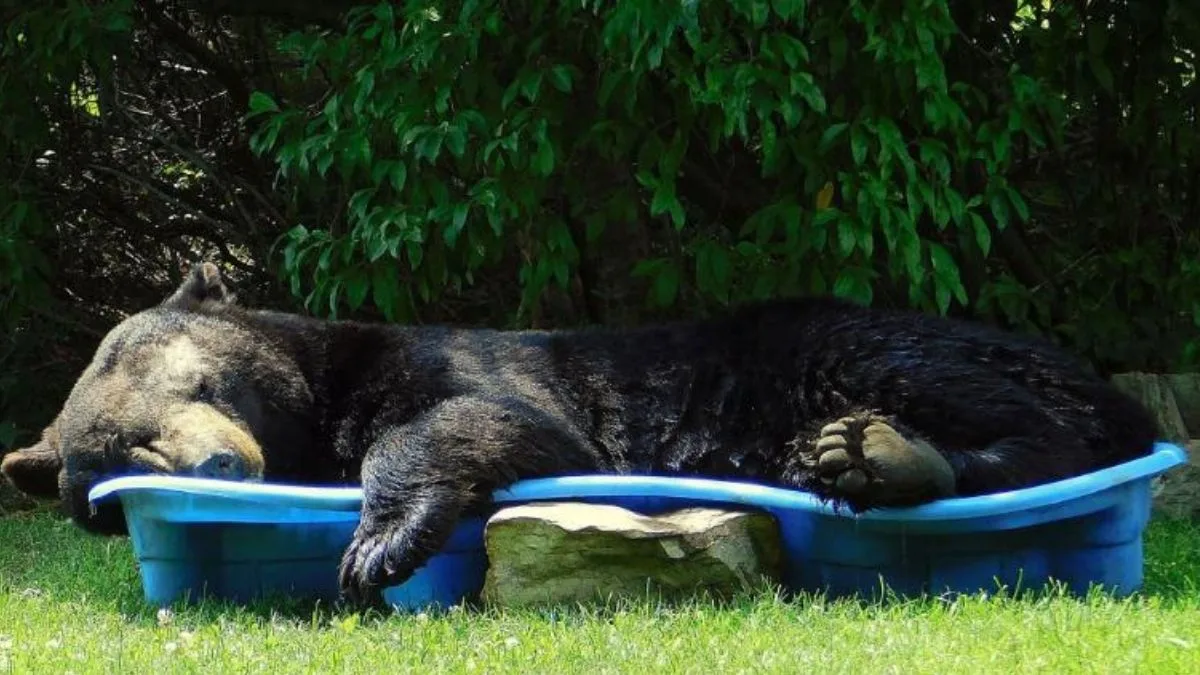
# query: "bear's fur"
[865,407]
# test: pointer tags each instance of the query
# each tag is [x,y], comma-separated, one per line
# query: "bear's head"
[190,387]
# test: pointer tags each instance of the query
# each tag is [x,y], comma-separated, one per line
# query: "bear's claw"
[369,565]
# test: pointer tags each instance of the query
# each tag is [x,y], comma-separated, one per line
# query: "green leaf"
[846,236]
[456,141]
[946,279]
[458,220]
[943,262]
[788,9]
[890,136]
[665,201]
[673,157]
[261,103]
[335,294]
[543,161]
[826,216]
[359,202]
[954,202]
[999,206]
[830,135]
[429,147]
[376,246]
[331,110]
[510,95]
[1000,146]
[384,289]
[324,163]
[747,249]
[416,253]
[983,236]
[560,77]
[814,98]
[357,286]
[398,175]
[853,283]
[666,285]
[118,22]
[1018,203]
[941,295]
[858,144]
[531,84]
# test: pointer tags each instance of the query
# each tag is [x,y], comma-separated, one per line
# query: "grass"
[70,602]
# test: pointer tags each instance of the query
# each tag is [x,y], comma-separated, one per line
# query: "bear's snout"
[200,441]
[224,463]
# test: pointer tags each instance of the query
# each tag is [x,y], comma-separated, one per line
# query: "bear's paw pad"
[864,457]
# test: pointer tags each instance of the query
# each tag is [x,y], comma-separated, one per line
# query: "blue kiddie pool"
[195,537]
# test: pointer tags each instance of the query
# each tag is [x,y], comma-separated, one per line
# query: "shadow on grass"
[42,553]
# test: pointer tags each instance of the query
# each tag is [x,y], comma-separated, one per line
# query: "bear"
[865,408]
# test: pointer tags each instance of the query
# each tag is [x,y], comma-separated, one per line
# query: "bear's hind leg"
[867,461]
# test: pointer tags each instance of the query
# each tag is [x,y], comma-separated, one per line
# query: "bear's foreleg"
[419,478]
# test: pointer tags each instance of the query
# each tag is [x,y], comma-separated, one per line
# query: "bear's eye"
[204,392]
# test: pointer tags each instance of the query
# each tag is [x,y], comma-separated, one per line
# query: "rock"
[1154,392]
[1185,387]
[570,552]
[1177,493]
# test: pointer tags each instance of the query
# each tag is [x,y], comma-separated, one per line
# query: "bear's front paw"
[372,562]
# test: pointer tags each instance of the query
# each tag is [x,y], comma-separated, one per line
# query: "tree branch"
[328,13]
[230,78]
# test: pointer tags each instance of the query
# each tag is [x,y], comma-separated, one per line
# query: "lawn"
[70,602]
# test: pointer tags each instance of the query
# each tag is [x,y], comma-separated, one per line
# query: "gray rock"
[1185,387]
[570,552]
[1177,493]
[1174,400]
[1154,392]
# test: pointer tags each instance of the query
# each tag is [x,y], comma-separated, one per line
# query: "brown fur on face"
[180,389]
[190,432]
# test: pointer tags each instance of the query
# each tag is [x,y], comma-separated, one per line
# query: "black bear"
[865,407]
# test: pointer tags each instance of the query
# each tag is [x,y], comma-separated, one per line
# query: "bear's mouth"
[158,458]
[149,461]
[105,518]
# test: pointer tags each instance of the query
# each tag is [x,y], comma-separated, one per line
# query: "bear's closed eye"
[204,392]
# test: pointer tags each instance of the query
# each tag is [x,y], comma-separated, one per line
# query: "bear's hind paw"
[866,461]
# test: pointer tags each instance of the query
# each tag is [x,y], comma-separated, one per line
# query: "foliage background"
[538,163]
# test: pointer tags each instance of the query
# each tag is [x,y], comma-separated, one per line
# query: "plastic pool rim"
[1163,457]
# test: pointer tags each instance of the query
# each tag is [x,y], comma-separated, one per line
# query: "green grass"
[70,602]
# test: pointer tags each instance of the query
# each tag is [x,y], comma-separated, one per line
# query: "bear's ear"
[203,284]
[35,469]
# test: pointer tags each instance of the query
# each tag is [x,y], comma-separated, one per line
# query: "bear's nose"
[223,463]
